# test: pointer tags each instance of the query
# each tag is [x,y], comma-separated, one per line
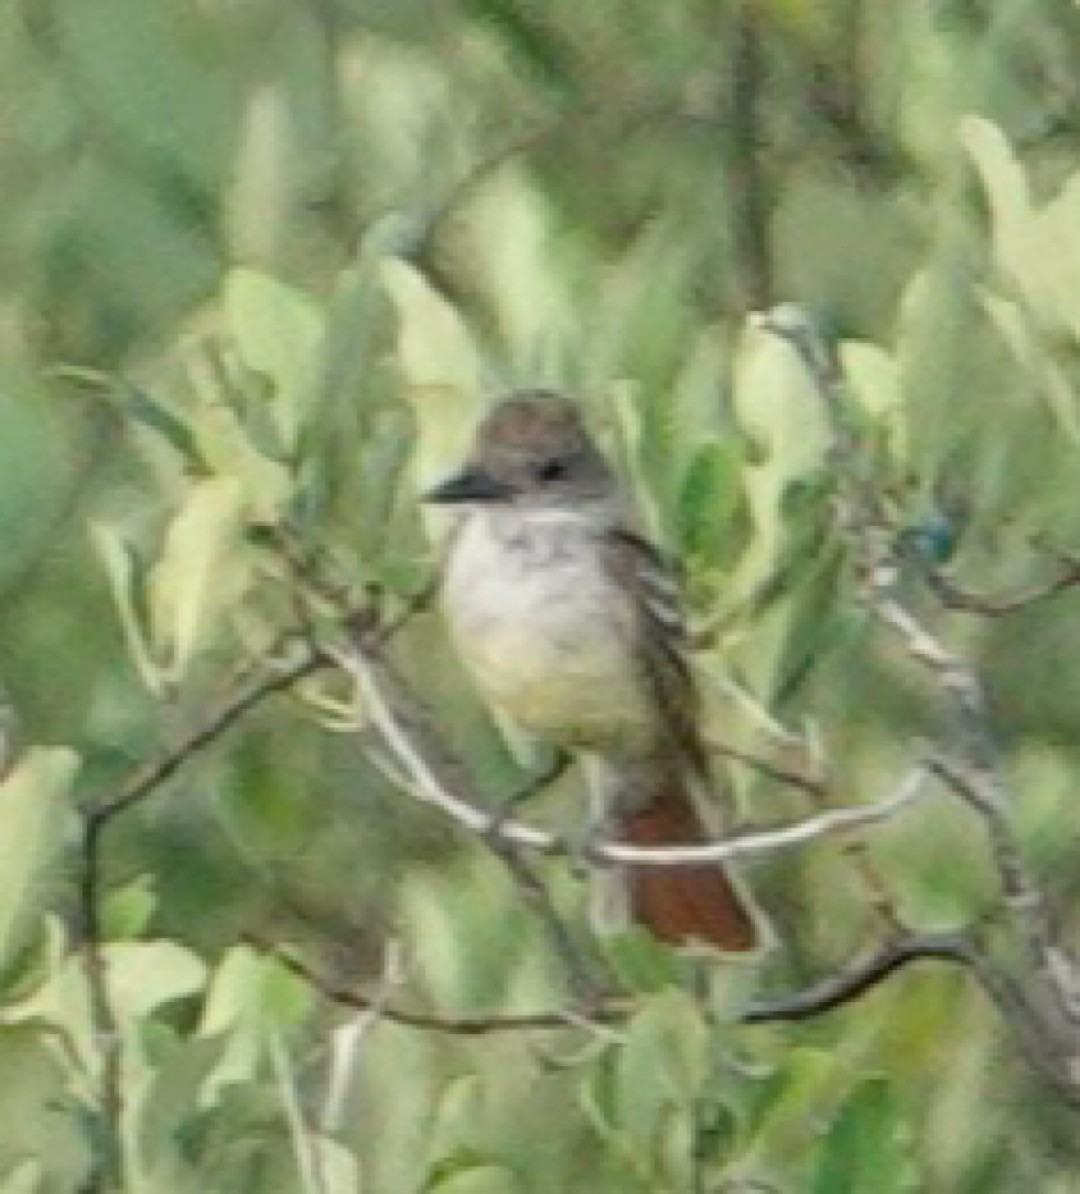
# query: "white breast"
[542,625]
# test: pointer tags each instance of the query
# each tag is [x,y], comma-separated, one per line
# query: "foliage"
[265,264]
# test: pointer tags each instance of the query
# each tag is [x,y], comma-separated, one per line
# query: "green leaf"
[205,568]
[599,1094]
[126,911]
[469,1171]
[253,1000]
[442,367]
[1035,360]
[227,448]
[641,963]
[143,975]
[776,1129]
[1012,222]
[1035,248]
[127,576]
[663,1064]
[43,1146]
[711,493]
[278,331]
[534,40]
[867,1146]
[36,822]
[781,412]
[873,378]
[28,1177]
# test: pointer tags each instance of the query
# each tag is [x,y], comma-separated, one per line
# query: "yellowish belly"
[549,639]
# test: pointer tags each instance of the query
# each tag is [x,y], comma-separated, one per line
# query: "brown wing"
[694,903]
[661,636]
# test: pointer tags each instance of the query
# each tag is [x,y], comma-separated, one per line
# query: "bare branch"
[153,774]
[95,821]
[845,986]
[861,976]
[610,1013]
[106,1027]
[427,785]
[1043,1001]
[956,597]
[746,845]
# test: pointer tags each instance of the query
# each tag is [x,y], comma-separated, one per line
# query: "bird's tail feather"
[683,904]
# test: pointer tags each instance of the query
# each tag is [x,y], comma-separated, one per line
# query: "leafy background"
[264,259]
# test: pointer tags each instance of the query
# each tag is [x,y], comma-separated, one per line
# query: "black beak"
[472,484]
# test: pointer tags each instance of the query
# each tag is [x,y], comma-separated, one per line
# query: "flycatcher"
[571,624]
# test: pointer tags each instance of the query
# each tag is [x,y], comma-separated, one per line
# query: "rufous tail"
[683,904]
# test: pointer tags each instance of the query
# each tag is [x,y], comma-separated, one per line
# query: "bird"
[571,624]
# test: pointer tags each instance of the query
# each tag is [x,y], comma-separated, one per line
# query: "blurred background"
[294,247]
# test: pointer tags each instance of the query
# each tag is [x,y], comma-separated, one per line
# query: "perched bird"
[570,623]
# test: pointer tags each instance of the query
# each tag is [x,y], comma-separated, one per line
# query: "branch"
[861,976]
[955,597]
[1043,1002]
[425,783]
[610,1013]
[95,821]
[846,986]
[147,778]
[841,989]
[105,1025]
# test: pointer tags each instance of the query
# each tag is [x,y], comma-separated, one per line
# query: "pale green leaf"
[472,1175]
[278,330]
[1036,248]
[252,1000]
[1059,252]
[510,248]
[777,1127]
[28,1177]
[227,450]
[125,911]
[441,367]
[1012,221]
[127,582]
[36,822]
[780,411]
[598,1094]
[205,566]
[873,376]
[663,1064]
[143,975]
[1034,359]
[336,1166]
[140,977]
[456,1120]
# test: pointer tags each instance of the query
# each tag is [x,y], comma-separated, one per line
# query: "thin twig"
[610,1013]
[956,597]
[96,819]
[861,976]
[426,785]
[845,986]
[841,989]
[147,778]
[106,1026]
[1042,1002]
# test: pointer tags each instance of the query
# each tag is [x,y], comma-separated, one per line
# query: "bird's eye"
[551,470]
